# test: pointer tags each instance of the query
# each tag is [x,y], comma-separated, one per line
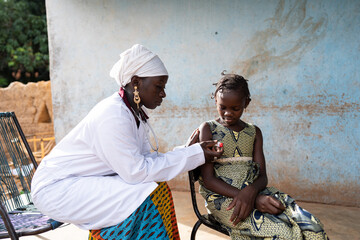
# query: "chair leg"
[194,230]
[9,226]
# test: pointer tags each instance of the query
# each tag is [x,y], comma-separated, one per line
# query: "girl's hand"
[268,204]
[243,204]
[194,138]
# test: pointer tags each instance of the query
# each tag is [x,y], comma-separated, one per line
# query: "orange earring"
[136,97]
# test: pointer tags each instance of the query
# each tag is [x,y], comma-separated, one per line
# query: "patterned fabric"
[294,223]
[154,219]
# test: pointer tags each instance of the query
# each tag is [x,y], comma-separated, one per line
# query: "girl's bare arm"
[263,203]
[258,156]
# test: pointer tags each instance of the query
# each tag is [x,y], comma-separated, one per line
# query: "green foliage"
[23,41]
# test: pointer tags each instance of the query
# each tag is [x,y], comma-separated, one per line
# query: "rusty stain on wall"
[289,26]
[314,106]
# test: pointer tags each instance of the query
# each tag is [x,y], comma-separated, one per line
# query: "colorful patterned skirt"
[154,219]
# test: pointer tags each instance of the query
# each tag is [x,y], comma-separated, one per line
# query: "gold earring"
[136,97]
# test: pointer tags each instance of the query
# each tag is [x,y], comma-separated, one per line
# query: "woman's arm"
[118,144]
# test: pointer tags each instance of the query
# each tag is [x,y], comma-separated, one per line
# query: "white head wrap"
[139,61]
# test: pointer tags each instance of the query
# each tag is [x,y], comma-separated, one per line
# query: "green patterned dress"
[236,168]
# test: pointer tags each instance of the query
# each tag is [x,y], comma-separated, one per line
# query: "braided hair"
[233,82]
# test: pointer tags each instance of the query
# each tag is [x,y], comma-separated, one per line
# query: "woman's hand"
[194,138]
[243,204]
[268,204]
[209,150]
[207,146]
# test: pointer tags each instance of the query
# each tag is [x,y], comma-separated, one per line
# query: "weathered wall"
[32,105]
[302,59]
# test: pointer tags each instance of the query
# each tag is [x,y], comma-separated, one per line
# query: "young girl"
[234,186]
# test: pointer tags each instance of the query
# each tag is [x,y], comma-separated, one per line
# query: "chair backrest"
[17,164]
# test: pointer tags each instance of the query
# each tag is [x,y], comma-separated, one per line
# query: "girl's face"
[230,106]
[152,91]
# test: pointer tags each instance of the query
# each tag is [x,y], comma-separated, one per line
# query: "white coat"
[99,173]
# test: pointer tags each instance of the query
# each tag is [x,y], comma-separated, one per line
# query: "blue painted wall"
[301,59]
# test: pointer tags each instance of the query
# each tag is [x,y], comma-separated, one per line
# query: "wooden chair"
[206,219]
[19,217]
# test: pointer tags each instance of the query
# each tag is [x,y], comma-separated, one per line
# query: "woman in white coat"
[103,175]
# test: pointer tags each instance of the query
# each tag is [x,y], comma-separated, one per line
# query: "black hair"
[233,82]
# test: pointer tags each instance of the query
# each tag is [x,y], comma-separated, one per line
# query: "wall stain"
[319,105]
[290,35]
[314,106]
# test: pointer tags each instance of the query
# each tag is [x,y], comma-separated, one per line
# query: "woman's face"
[152,91]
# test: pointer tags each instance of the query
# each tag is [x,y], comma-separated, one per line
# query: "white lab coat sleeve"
[117,142]
[172,163]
